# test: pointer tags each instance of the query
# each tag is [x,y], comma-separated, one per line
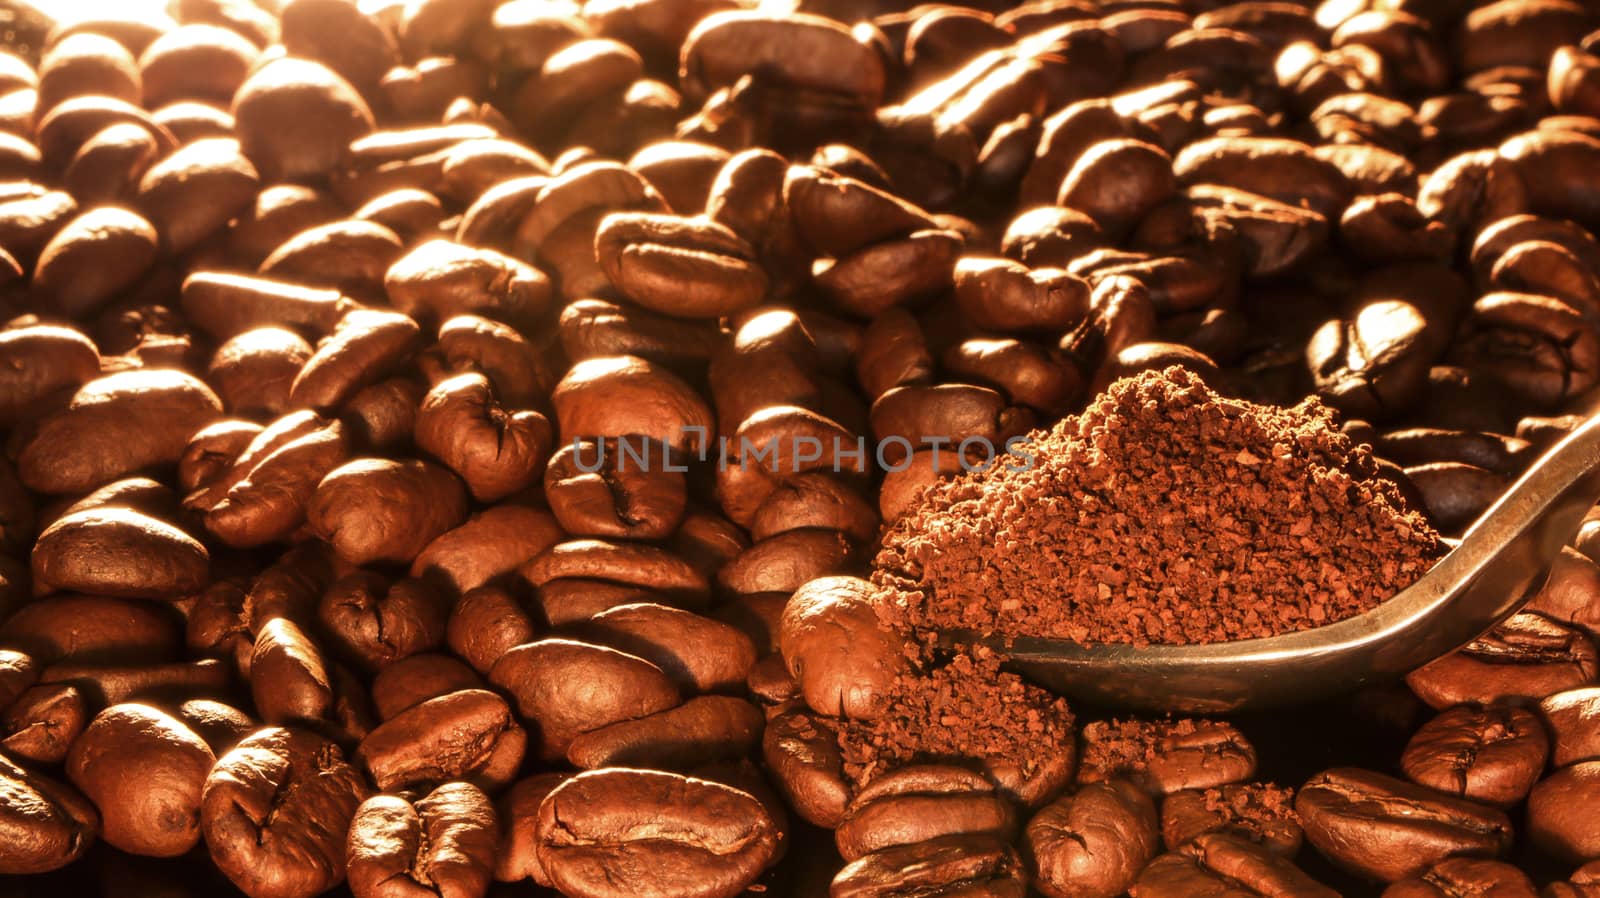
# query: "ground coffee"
[1164,513]
[964,709]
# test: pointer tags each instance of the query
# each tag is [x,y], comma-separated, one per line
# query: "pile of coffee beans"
[445,439]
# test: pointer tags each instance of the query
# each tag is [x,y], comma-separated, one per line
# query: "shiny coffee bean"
[1385,829]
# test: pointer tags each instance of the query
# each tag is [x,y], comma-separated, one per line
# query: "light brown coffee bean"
[714,840]
[144,770]
[119,552]
[495,450]
[1491,754]
[275,811]
[569,688]
[1385,829]
[37,363]
[1093,843]
[444,842]
[440,279]
[114,426]
[47,824]
[702,730]
[296,118]
[844,660]
[490,544]
[375,509]
[920,802]
[686,267]
[947,867]
[467,735]
[1526,658]
[1217,863]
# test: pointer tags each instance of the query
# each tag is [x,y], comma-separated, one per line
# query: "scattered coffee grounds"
[1262,813]
[964,709]
[1164,513]
[1165,756]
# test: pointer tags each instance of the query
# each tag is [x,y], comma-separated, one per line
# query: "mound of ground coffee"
[1164,513]
[965,708]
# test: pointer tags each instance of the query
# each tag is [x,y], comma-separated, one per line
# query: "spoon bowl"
[1498,565]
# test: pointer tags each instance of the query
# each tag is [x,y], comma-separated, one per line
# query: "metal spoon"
[1497,567]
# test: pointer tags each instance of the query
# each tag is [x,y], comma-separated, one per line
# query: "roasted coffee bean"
[1557,169]
[1376,363]
[382,510]
[872,280]
[1093,842]
[690,268]
[1573,719]
[830,637]
[440,280]
[496,451]
[114,426]
[266,441]
[38,362]
[1464,875]
[916,803]
[516,857]
[108,683]
[443,843]
[41,724]
[629,395]
[364,347]
[1557,822]
[1006,296]
[252,372]
[119,552]
[109,165]
[466,735]
[977,865]
[47,824]
[1526,658]
[1115,182]
[1385,829]
[702,730]
[786,561]
[1490,754]
[701,654]
[684,836]
[376,622]
[569,688]
[93,258]
[384,415]
[221,725]
[296,118]
[1455,493]
[289,677]
[224,305]
[1257,813]
[1217,864]
[802,751]
[193,193]
[275,810]
[411,681]
[195,61]
[615,488]
[472,343]
[269,502]
[485,623]
[144,771]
